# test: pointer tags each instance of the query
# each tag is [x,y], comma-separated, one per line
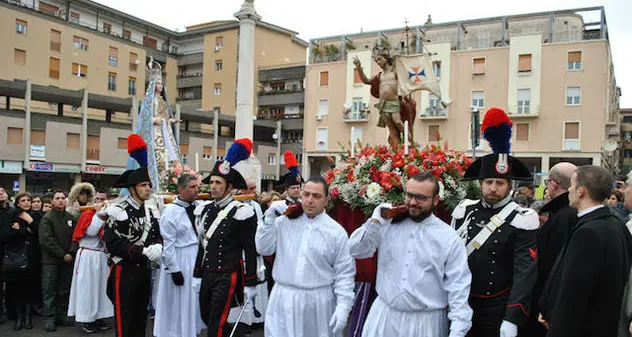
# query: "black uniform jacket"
[506,262]
[234,235]
[584,292]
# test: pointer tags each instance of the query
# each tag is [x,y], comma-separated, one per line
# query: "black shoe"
[28,322]
[90,327]
[66,321]
[50,326]
[19,318]
[102,324]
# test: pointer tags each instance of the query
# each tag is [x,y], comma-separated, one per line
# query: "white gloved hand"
[377,212]
[196,284]
[250,293]
[153,252]
[508,329]
[339,320]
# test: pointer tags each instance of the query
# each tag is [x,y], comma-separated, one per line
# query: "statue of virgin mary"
[155,125]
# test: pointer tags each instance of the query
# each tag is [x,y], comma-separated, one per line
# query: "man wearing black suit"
[584,292]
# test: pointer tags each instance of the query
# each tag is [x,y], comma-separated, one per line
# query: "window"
[573,96]
[218,89]
[93,148]
[524,101]
[324,78]
[218,65]
[48,8]
[74,17]
[14,136]
[478,66]
[121,145]
[207,152]
[272,158]
[436,68]
[357,104]
[53,68]
[219,41]
[524,63]
[478,99]
[79,70]
[433,133]
[574,60]
[55,40]
[107,28]
[19,57]
[133,58]
[224,131]
[149,42]
[356,77]
[184,153]
[113,57]
[80,43]
[627,119]
[112,81]
[627,136]
[434,101]
[131,86]
[127,34]
[72,141]
[522,132]
[38,137]
[20,26]
[571,136]
[321,139]
[323,107]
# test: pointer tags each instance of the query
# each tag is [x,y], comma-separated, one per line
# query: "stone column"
[27,126]
[248,18]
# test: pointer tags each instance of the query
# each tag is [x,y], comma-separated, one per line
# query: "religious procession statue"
[156,125]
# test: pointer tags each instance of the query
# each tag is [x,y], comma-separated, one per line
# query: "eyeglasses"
[547,181]
[418,197]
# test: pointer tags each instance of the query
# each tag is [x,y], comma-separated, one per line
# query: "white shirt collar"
[499,204]
[588,210]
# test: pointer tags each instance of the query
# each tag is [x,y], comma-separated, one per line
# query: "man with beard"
[500,237]
[227,231]
[422,268]
[313,270]
[132,237]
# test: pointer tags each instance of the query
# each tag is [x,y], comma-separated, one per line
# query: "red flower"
[412,170]
[350,176]
[335,193]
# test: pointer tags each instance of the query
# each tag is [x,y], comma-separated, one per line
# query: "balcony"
[189,97]
[361,116]
[189,80]
[523,111]
[434,112]
[271,96]
[191,59]
[271,114]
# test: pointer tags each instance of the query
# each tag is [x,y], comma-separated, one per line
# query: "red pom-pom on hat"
[290,159]
[135,142]
[495,117]
[247,143]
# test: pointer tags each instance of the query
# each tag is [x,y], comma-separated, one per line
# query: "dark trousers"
[128,289]
[488,315]
[216,297]
[56,279]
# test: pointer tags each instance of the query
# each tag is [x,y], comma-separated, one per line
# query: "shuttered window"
[19,57]
[207,152]
[113,56]
[38,137]
[122,144]
[184,149]
[79,70]
[524,63]
[478,66]
[55,40]
[53,68]
[48,8]
[149,42]
[574,60]
[127,34]
[522,132]
[93,148]
[433,133]
[324,78]
[14,136]
[219,41]
[571,131]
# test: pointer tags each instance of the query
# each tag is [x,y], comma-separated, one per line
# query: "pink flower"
[178,171]
[335,193]
[174,180]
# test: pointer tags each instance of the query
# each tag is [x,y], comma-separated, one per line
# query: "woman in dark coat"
[19,238]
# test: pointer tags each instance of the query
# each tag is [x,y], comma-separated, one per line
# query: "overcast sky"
[321,18]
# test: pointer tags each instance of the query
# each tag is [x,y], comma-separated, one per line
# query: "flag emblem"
[415,76]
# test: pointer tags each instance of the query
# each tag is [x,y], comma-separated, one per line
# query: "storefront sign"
[11,167]
[44,167]
[97,169]
[38,151]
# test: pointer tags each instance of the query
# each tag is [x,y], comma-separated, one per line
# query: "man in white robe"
[313,269]
[422,269]
[89,303]
[177,305]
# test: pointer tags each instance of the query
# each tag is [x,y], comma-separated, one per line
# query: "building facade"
[74,77]
[552,72]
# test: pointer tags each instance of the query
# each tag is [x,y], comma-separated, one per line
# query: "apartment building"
[626,140]
[552,72]
[65,58]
